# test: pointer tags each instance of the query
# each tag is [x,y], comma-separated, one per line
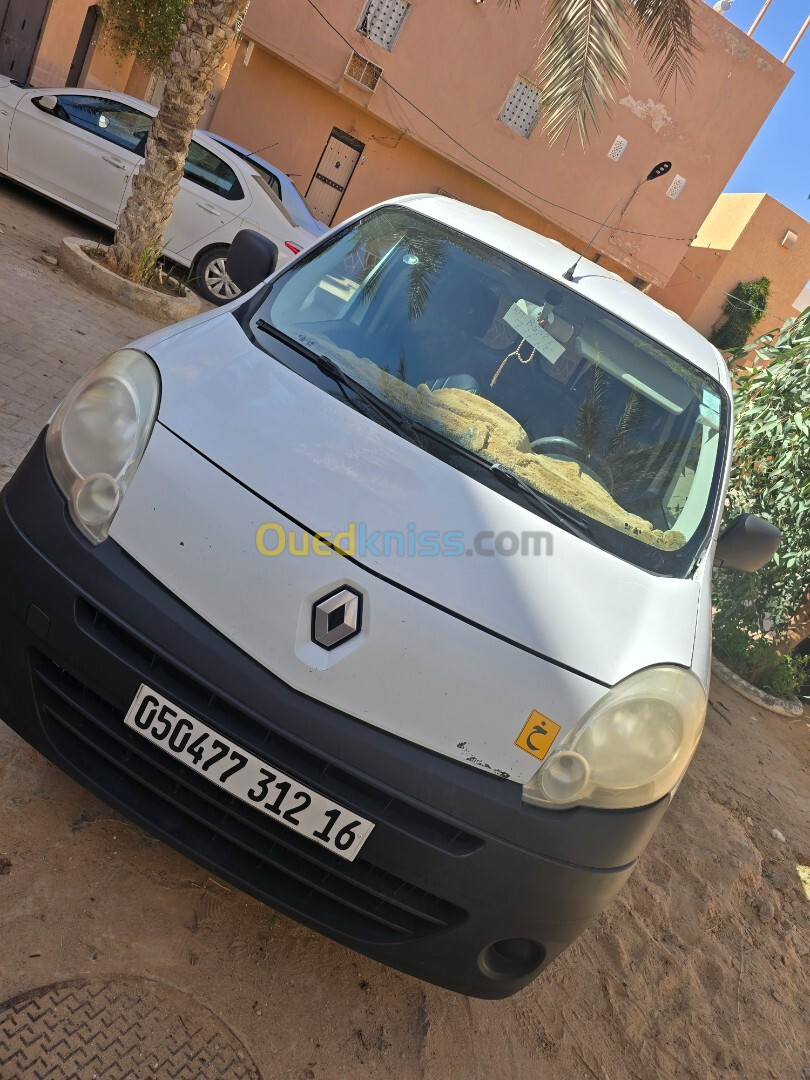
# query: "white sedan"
[82,148]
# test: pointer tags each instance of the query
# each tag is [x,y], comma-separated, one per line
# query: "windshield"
[527,374]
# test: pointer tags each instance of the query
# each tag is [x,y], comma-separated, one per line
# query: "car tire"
[211,279]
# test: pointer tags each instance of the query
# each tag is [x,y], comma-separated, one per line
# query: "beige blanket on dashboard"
[481,426]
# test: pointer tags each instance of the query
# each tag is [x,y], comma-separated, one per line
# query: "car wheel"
[212,281]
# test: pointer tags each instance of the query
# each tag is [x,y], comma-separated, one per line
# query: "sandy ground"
[699,969]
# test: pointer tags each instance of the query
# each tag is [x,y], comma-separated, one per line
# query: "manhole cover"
[119,1029]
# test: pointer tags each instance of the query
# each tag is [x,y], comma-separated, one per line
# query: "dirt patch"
[86,264]
[159,281]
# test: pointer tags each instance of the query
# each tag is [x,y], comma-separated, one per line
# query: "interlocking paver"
[51,330]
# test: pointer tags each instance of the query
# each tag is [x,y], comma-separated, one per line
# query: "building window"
[382,21]
[521,110]
[361,70]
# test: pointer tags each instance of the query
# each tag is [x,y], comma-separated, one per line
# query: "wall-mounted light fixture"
[661,169]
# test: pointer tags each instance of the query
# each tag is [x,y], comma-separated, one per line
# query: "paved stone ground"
[51,331]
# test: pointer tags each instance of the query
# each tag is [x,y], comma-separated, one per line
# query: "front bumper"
[456,862]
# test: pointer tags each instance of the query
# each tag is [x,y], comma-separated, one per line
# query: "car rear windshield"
[576,403]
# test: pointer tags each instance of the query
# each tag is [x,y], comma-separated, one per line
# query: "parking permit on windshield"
[522,316]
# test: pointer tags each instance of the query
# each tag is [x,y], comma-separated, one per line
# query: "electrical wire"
[486,164]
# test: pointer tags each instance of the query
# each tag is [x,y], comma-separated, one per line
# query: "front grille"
[354,899]
[259,735]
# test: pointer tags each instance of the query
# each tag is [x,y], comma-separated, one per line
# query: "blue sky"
[778,161]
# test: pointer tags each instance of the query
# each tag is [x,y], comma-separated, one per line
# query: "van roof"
[591,281]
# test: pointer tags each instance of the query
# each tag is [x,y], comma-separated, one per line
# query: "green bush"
[743,309]
[757,661]
[771,477]
[144,28]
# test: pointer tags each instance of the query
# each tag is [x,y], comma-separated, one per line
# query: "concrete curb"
[160,307]
[781,706]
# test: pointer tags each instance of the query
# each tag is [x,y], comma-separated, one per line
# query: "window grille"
[521,110]
[361,70]
[382,21]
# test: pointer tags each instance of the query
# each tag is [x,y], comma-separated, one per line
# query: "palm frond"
[591,418]
[581,63]
[429,251]
[631,418]
[665,30]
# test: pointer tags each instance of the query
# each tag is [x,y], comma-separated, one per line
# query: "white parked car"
[385,591]
[280,183]
[81,147]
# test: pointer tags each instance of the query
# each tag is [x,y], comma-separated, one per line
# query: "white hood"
[325,466]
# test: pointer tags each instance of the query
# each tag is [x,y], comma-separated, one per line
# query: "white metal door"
[332,175]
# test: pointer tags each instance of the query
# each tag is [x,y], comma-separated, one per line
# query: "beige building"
[64,43]
[360,100]
[363,99]
[744,238]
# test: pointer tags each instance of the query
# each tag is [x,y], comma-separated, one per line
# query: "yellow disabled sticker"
[537,735]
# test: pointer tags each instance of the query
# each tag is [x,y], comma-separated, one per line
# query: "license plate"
[228,765]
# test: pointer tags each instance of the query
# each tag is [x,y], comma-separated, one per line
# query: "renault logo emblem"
[336,617]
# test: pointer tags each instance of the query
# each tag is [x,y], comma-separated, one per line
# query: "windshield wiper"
[391,418]
[549,508]
[412,430]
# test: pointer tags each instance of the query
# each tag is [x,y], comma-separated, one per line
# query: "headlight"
[631,748]
[98,434]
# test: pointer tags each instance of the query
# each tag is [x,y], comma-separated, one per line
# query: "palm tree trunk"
[207,30]
[798,628]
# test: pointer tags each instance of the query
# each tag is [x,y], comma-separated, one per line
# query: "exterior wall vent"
[382,21]
[789,239]
[361,71]
[618,148]
[521,110]
[676,187]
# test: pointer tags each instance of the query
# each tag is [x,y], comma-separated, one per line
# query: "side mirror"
[47,103]
[251,259]
[747,544]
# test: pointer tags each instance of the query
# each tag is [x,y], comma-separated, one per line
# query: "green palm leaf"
[583,55]
[665,30]
[581,63]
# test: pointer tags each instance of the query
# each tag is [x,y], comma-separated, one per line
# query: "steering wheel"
[557,446]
